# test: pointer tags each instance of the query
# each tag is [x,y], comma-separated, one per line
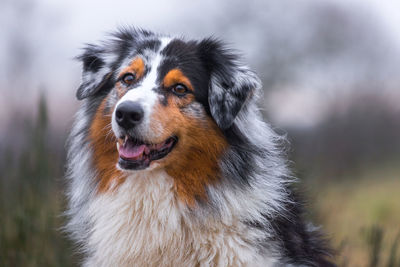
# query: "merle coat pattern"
[247,215]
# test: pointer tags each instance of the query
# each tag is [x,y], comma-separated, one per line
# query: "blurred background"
[331,79]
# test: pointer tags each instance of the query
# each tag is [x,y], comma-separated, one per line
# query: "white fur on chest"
[143,224]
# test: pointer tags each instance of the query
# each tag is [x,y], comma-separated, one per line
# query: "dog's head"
[163,102]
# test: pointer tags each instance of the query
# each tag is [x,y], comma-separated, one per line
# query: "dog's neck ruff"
[142,223]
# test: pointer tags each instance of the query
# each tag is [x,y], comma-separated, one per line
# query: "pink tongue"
[131,152]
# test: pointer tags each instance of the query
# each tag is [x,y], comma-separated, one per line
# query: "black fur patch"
[230,84]
[299,244]
[239,160]
[184,56]
[91,62]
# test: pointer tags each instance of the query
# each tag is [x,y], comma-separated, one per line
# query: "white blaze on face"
[144,94]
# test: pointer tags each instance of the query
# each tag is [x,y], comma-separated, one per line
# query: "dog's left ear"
[231,83]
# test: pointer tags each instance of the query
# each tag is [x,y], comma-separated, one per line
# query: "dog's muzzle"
[136,152]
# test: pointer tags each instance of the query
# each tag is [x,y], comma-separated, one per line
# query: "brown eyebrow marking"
[175,76]
[137,66]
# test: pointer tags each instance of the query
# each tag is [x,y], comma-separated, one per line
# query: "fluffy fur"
[221,197]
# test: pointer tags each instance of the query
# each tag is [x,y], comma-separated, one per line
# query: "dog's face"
[162,103]
[156,110]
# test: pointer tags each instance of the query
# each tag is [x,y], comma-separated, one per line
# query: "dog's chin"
[135,154]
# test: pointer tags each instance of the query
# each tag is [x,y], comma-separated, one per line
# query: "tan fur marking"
[137,67]
[193,163]
[175,76]
[104,150]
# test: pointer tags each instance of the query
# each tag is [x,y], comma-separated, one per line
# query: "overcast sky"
[54,32]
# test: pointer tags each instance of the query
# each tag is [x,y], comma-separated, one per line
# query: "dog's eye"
[128,78]
[179,89]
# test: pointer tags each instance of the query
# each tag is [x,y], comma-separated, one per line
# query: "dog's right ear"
[95,72]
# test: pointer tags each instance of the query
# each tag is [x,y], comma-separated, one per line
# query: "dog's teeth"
[125,139]
[117,146]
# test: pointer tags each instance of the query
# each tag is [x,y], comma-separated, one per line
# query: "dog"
[171,164]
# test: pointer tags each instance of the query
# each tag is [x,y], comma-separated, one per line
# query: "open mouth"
[137,155]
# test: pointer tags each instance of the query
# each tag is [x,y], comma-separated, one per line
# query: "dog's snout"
[129,114]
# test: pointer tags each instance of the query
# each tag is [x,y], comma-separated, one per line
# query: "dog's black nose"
[129,114]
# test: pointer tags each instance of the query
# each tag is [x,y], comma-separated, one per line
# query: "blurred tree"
[393,260]
[359,134]
[31,201]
